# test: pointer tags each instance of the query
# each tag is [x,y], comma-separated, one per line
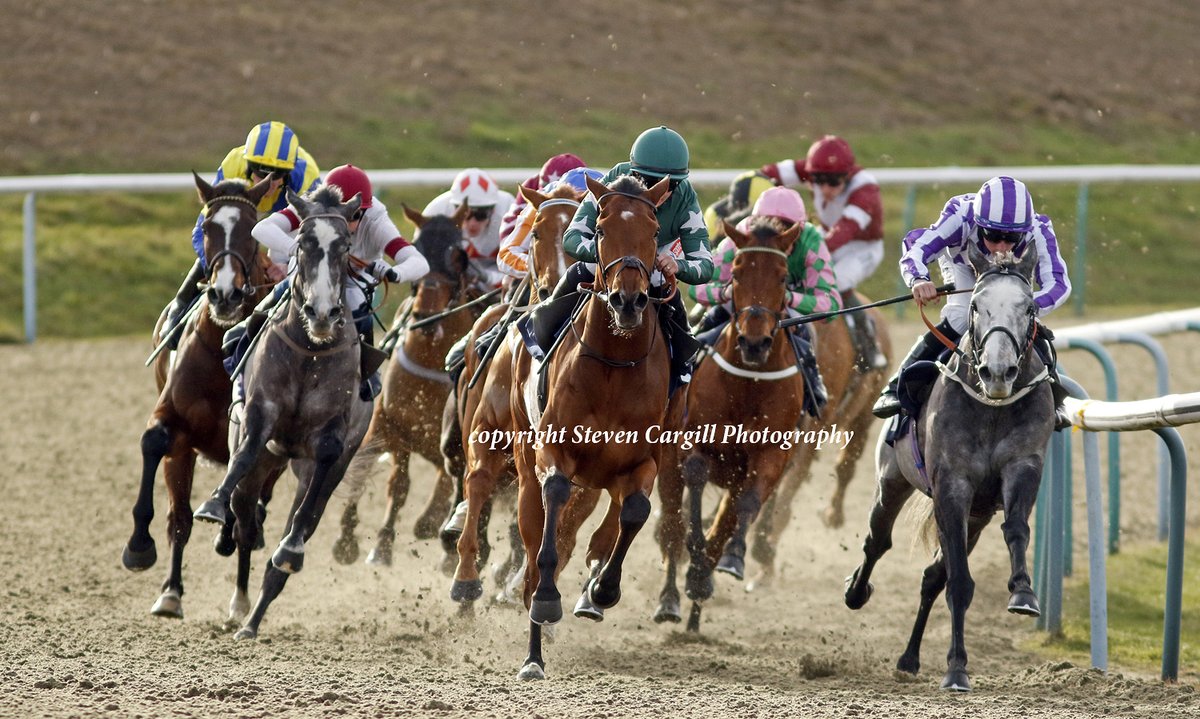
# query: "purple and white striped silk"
[1003,203]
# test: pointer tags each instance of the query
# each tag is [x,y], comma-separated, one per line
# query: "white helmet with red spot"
[475,187]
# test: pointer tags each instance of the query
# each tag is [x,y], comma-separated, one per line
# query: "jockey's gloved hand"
[383,272]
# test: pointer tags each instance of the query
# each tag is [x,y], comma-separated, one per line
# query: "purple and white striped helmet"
[1004,204]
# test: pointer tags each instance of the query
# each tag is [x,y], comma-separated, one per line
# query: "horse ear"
[260,190]
[660,192]
[413,216]
[205,189]
[349,208]
[531,196]
[979,262]
[301,205]
[787,239]
[738,238]
[460,216]
[1028,261]
[596,187]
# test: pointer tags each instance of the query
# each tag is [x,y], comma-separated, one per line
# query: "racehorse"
[609,375]
[751,381]
[982,434]
[191,415]
[852,385]
[407,418]
[485,408]
[302,401]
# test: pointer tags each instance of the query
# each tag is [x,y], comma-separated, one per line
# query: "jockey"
[998,218]
[812,286]
[552,171]
[271,150]
[373,235]
[847,203]
[481,230]
[743,192]
[683,249]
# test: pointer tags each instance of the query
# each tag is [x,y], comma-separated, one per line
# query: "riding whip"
[947,289]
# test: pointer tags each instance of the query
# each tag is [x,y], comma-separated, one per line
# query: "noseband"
[758,310]
[248,289]
[1030,331]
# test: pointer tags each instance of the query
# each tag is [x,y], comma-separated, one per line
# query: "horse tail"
[920,513]
[354,482]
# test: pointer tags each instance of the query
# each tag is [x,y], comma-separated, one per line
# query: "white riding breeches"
[855,261]
[957,306]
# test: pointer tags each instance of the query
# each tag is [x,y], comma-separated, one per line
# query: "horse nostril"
[1010,375]
[614,300]
[309,311]
[543,293]
[641,301]
[985,374]
[335,313]
[211,295]
[236,296]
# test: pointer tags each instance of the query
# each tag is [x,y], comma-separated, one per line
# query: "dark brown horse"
[852,387]
[408,416]
[485,409]
[752,383]
[609,376]
[190,418]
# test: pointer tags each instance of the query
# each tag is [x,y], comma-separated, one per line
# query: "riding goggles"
[1007,236]
[828,178]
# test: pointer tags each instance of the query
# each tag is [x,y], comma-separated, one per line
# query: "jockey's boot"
[370,358]
[683,346]
[456,360]
[1044,346]
[862,335]
[553,312]
[237,339]
[185,296]
[710,326]
[815,394]
[928,347]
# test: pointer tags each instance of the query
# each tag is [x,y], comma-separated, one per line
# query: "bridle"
[759,310]
[530,264]
[628,261]
[249,291]
[1022,347]
[756,310]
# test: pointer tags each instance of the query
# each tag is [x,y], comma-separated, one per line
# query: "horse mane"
[562,190]
[1003,259]
[766,228]
[628,183]
[326,195]
[231,186]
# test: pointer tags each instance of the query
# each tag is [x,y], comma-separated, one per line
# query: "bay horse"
[608,375]
[302,401]
[407,418]
[190,418]
[751,381]
[485,408]
[983,434]
[852,387]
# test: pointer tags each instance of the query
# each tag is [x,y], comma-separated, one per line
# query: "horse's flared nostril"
[1010,374]
[237,296]
[985,374]
[543,293]
[640,302]
[212,295]
[309,311]
[335,313]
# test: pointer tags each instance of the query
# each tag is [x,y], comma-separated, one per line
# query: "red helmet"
[351,181]
[831,155]
[556,167]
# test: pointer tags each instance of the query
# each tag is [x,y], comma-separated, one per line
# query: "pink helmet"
[783,202]
[556,167]
[351,181]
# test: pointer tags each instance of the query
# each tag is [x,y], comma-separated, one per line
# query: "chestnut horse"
[751,382]
[302,402]
[407,419]
[485,408]
[609,375]
[852,386]
[191,415]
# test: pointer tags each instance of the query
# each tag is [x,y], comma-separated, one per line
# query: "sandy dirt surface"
[76,638]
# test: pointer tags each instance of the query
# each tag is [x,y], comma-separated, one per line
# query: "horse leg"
[328,449]
[699,583]
[257,429]
[479,484]
[430,521]
[891,494]
[605,590]
[669,533]
[765,467]
[140,553]
[345,547]
[777,514]
[546,607]
[1020,488]
[273,581]
[600,545]
[951,505]
[835,514]
[177,470]
[397,494]
[247,529]
[454,464]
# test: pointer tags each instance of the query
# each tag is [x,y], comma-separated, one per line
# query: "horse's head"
[1002,317]
[546,260]
[439,239]
[760,274]
[626,245]
[322,260]
[230,212]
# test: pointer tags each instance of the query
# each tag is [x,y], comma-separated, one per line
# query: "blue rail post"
[910,216]
[1114,438]
[1039,539]
[1079,269]
[1163,386]
[1052,608]
[29,267]
[1173,611]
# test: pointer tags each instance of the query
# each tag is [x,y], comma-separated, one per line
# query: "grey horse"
[983,434]
[302,402]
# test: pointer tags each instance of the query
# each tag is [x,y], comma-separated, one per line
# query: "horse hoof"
[956,681]
[545,611]
[857,596]
[466,591]
[699,584]
[585,609]
[425,528]
[908,664]
[288,560]
[224,544]
[668,611]
[136,560]
[246,633]
[733,566]
[600,596]
[531,672]
[169,605]
[213,510]
[833,518]
[380,557]
[1024,603]
[345,550]
[239,609]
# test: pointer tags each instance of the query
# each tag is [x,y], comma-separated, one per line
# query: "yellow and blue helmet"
[271,144]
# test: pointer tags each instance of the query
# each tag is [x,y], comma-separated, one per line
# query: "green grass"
[108,263]
[1136,600]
